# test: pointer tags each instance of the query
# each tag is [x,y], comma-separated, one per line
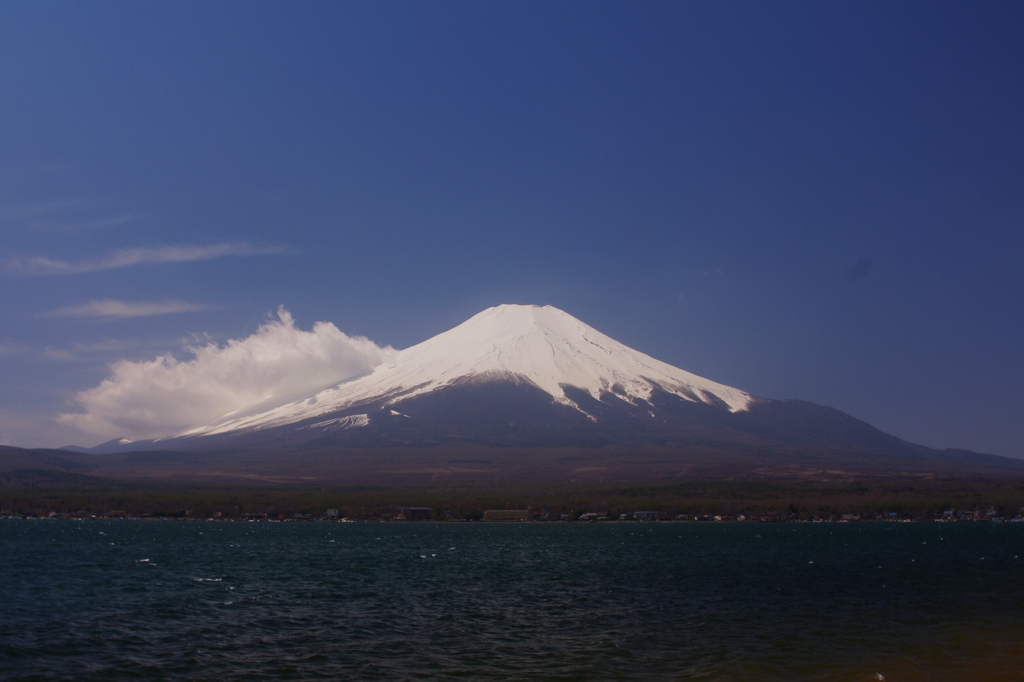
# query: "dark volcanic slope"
[518,414]
[504,414]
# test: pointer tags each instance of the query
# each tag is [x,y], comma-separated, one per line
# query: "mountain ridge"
[537,378]
[543,346]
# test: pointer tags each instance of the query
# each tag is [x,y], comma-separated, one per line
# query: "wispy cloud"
[65,214]
[59,354]
[32,352]
[28,266]
[42,208]
[110,345]
[109,307]
[80,351]
[89,224]
[32,428]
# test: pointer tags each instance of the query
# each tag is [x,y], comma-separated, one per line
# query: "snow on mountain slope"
[539,345]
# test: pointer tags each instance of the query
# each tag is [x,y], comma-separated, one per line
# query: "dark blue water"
[113,600]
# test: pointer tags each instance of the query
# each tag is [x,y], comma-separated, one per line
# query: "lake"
[119,600]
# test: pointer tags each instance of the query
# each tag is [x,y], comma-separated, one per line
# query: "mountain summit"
[536,383]
[541,347]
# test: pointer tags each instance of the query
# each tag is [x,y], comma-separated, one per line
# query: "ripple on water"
[511,602]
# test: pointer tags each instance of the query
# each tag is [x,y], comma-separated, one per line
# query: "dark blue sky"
[813,200]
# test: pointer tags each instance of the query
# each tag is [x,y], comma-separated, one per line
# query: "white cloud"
[113,308]
[278,363]
[26,266]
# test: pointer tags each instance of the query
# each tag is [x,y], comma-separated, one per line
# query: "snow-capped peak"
[543,346]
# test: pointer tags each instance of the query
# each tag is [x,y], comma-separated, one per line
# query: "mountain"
[539,350]
[536,377]
[113,445]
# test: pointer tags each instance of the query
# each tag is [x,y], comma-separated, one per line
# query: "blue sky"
[803,200]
